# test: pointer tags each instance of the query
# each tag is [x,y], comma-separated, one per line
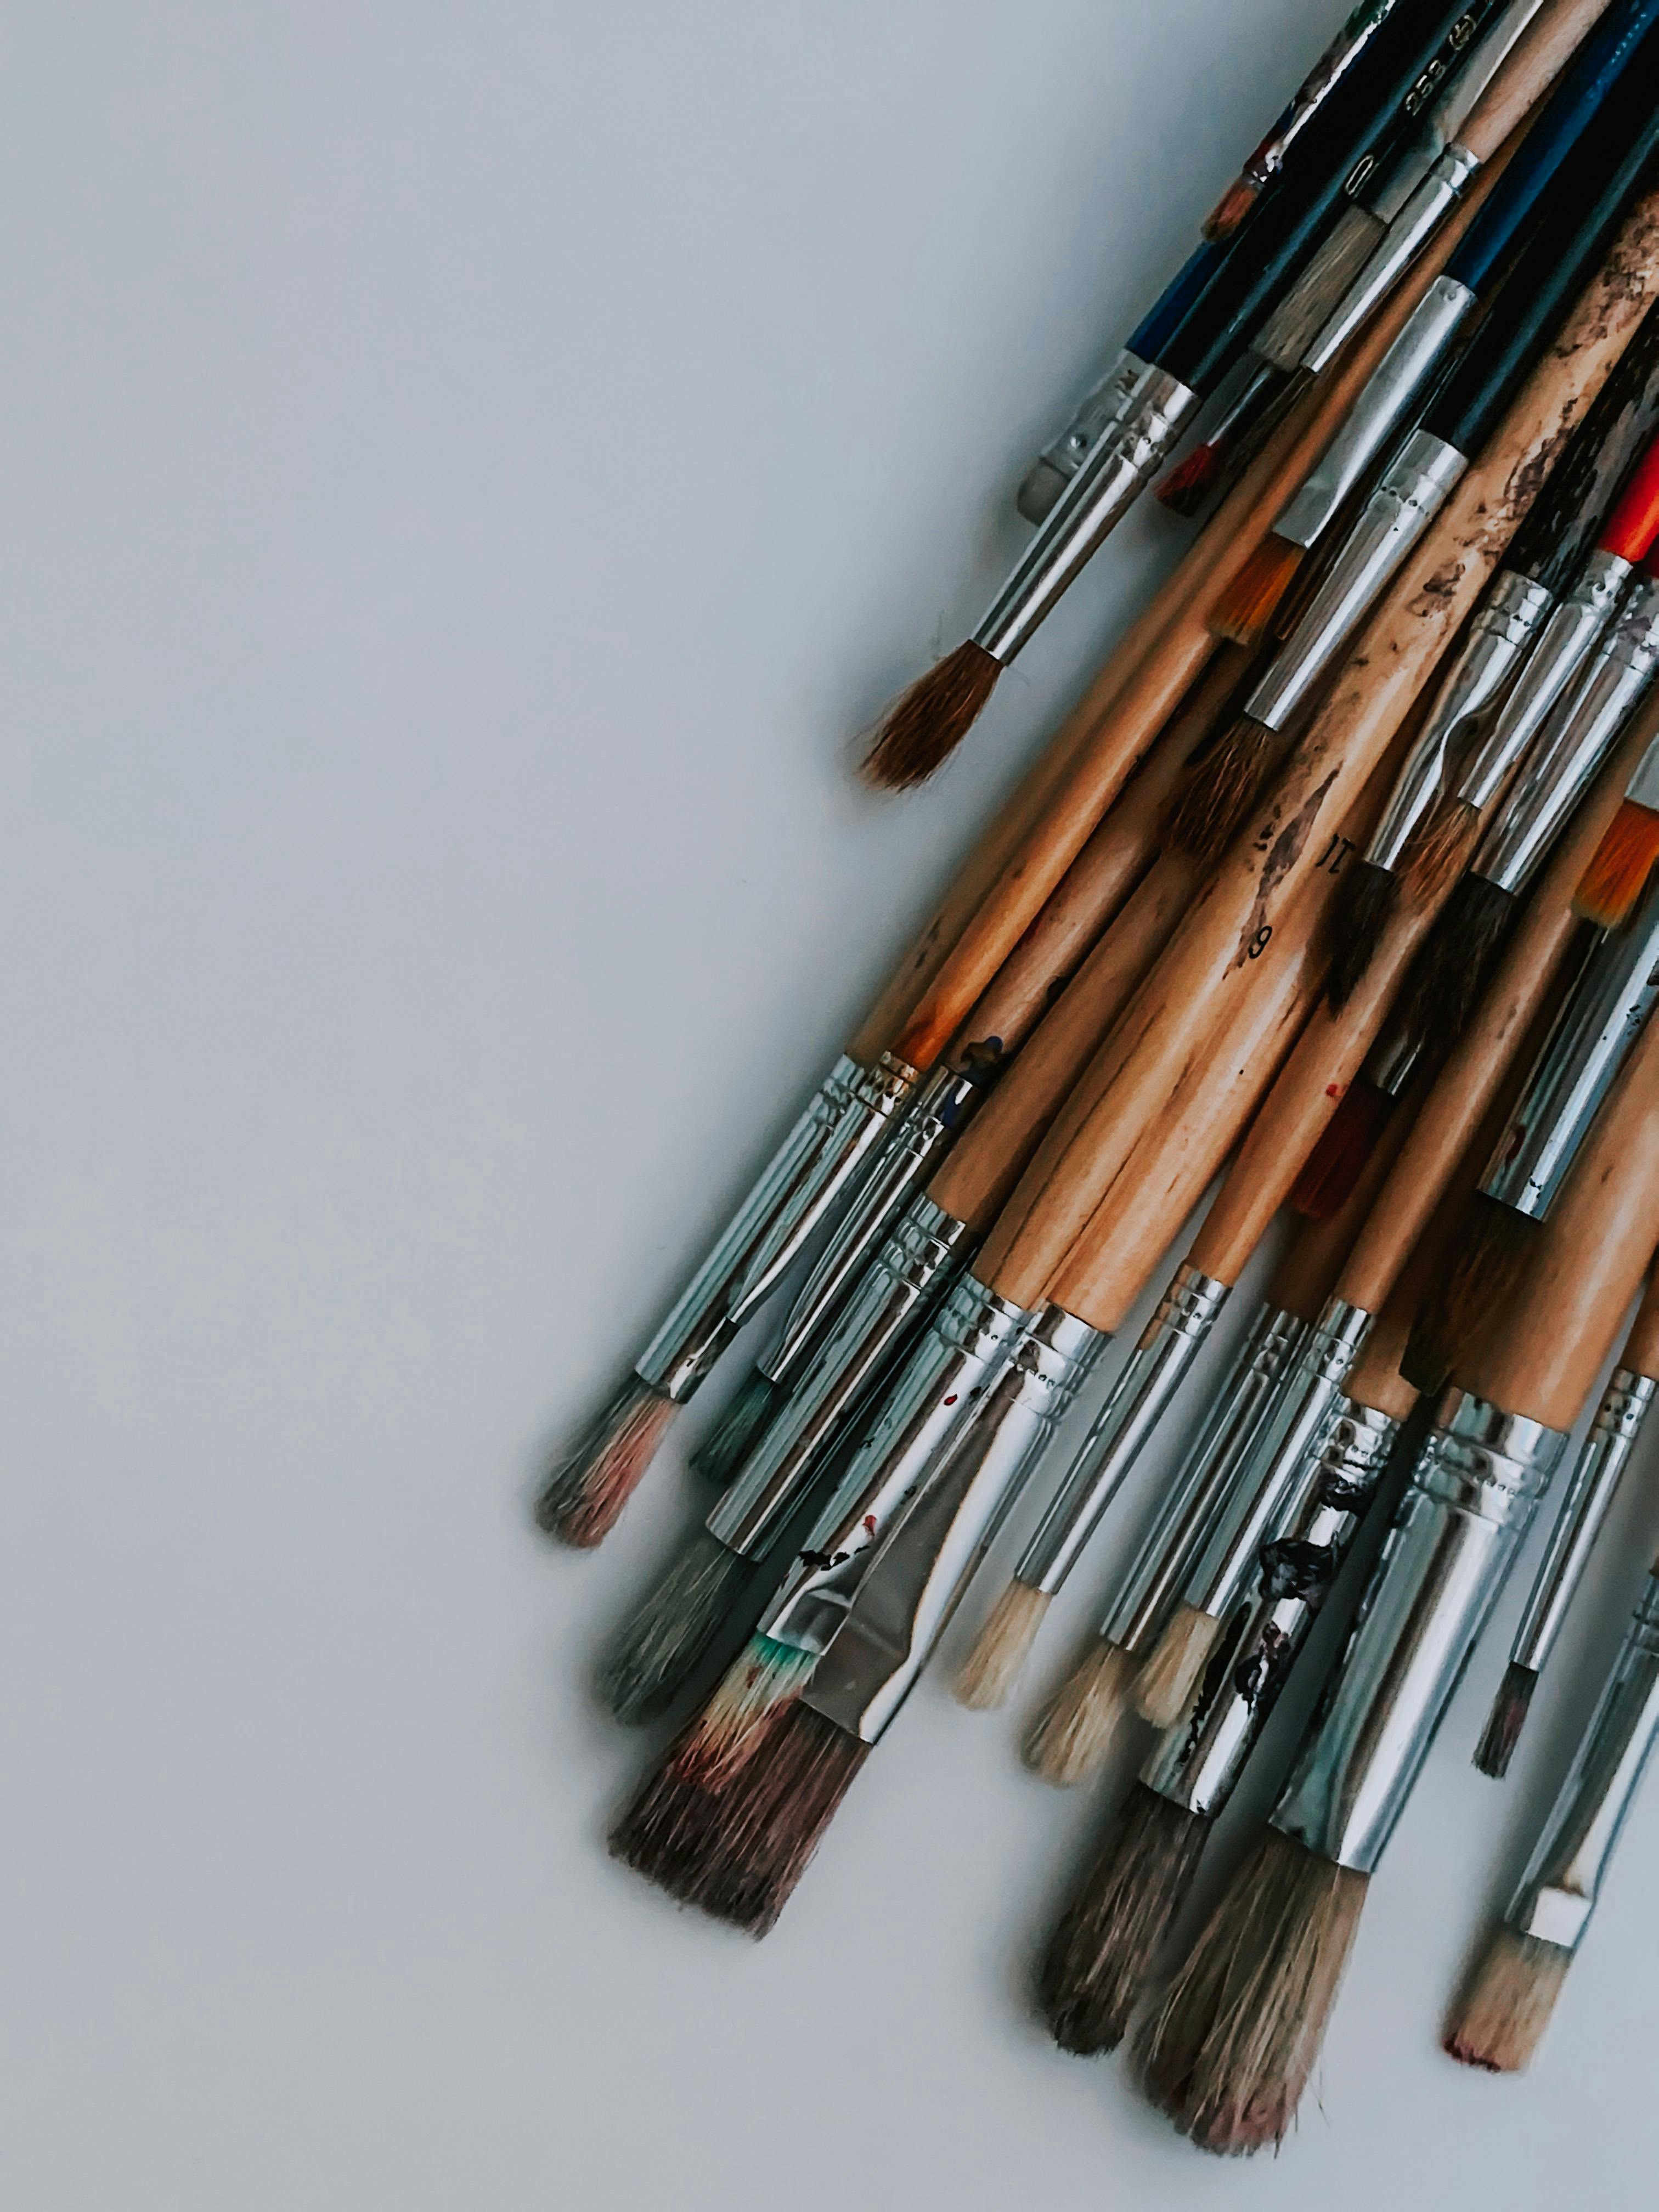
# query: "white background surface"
[468,472]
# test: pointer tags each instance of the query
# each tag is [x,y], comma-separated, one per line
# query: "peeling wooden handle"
[1542,52]
[1641,1351]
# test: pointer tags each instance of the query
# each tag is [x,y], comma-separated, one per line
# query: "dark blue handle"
[1571,109]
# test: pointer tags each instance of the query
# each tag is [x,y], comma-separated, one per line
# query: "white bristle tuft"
[1164,1686]
[1074,1731]
[989,1672]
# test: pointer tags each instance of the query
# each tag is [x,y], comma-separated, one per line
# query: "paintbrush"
[1591,110]
[1597,1473]
[1618,874]
[1234,2041]
[1501,2018]
[1179,353]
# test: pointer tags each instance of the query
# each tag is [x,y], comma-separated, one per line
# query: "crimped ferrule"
[804,1182]
[1127,455]
[929,1556]
[916,1265]
[1138,1400]
[1100,407]
[1409,233]
[1477,1481]
[1558,1892]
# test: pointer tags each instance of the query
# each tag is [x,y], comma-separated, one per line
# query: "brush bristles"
[1107,1943]
[1336,1163]
[1247,606]
[1507,2006]
[582,1503]
[1609,888]
[1165,1685]
[1073,1732]
[989,1672]
[1189,484]
[1365,903]
[749,1700]
[669,1632]
[728,1443]
[925,724]
[1437,854]
[1220,790]
[1230,209]
[1506,1720]
[1448,974]
[1489,1255]
[1237,2037]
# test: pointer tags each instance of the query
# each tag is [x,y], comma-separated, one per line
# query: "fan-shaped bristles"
[1338,1160]
[1074,1730]
[1247,606]
[669,1630]
[1489,1256]
[925,724]
[1231,209]
[1165,1685]
[1221,786]
[999,1650]
[1506,1720]
[1106,1944]
[728,1444]
[1500,2021]
[1367,898]
[1437,854]
[1449,973]
[1620,867]
[1236,2038]
[581,1504]
[1189,484]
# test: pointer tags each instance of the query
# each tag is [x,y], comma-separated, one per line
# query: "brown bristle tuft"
[925,724]
[1234,2042]
[1366,898]
[1184,489]
[1489,1256]
[999,1650]
[1230,209]
[1437,854]
[1500,2021]
[582,1503]
[1506,1720]
[1449,973]
[728,1444]
[1107,1942]
[672,1627]
[1165,1685]
[1338,1160]
[1073,1732]
[1220,788]
[1620,867]
[1245,609]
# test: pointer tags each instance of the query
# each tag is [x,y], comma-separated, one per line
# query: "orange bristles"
[1190,482]
[1230,209]
[1247,606]
[1609,888]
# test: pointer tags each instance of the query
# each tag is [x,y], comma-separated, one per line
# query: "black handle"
[1565,520]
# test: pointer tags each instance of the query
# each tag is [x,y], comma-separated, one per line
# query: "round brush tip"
[926,724]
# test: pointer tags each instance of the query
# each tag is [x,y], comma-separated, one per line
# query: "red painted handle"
[1633,526]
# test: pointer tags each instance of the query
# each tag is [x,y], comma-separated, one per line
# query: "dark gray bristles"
[1506,1720]
[1106,1943]
[668,1633]
[728,1444]
[1490,1255]
[1365,902]
[1449,973]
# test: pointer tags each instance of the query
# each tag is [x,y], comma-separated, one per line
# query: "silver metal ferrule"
[1197,1763]
[804,1182]
[1415,488]
[929,1556]
[1147,1591]
[1136,1403]
[1596,1473]
[1642,789]
[1100,407]
[915,1267]
[1558,1892]
[941,1390]
[1409,231]
[1477,1481]
[1283,1460]
[1605,1011]
[1124,460]
[1574,740]
[1499,639]
[940,1108]
[1376,415]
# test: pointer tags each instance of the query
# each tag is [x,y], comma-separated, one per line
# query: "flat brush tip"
[926,724]
[1244,609]
[1186,487]
[1610,887]
[1501,2020]
[1230,209]
[1506,1720]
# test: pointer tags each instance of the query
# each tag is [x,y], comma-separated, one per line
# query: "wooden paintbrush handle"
[1641,1351]
[1216,955]
[1540,54]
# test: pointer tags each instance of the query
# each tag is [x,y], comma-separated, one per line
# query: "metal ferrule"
[1127,455]
[1642,789]
[1376,415]
[942,1388]
[913,1583]
[1500,639]
[1574,742]
[1137,1402]
[1604,1011]
[1415,490]
[1196,1763]
[1563,1880]
[1148,1589]
[1473,1493]
[935,1116]
[915,1267]
[804,1182]
[1096,412]
[1409,233]
[1597,1472]
[1282,1462]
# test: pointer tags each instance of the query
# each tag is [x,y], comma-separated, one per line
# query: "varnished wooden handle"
[1641,1351]
[1540,54]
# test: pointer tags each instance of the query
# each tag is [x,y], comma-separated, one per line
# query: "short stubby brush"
[1612,886]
